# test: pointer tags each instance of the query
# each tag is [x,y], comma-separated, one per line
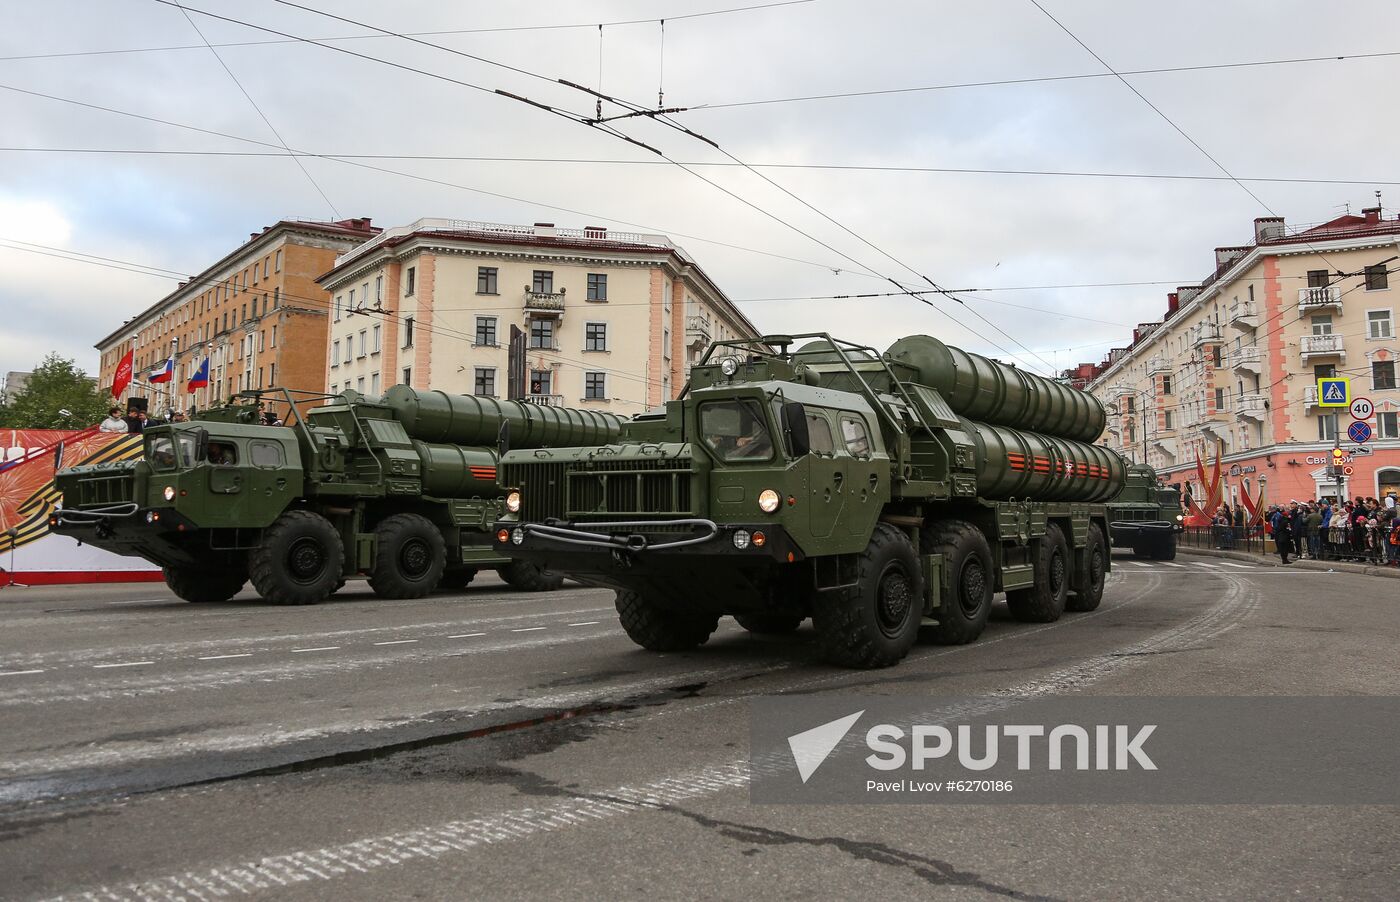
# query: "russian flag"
[200,379]
[165,373]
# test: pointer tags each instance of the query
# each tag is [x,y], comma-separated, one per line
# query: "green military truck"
[1145,516]
[401,489]
[875,494]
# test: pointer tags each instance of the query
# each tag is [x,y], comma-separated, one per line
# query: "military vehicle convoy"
[875,494]
[1145,516]
[401,488]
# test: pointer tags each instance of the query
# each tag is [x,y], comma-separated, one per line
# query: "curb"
[1325,566]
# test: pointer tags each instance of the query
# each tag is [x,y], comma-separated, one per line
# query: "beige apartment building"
[257,314]
[608,320]
[1234,363]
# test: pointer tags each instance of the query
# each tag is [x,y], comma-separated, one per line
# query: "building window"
[595,387]
[541,382]
[1378,324]
[1129,400]
[374,383]
[272,374]
[542,334]
[1167,420]
[408,375]
[277,262]
[1388,425]
[544,281]
[1383,374]
[379,291]
[412,277]
[486,331]
[1251,292]
[378,341]
[276,297]
[349,349]
[266,264]
[338,300]
[666,343]
[1317,278]
[486,381]
[360,384]
[597,286]
[352,308]
[1327,428]
[1166,385]
[1376,277]
[595,337]
[486,280]
[1322,324]
[262,342]
[408,331]
[274,336]
[364,295]
[1220,399]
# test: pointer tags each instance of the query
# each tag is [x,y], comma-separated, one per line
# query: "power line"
[831,167]
[418,34]
[1038,79]
[254,104]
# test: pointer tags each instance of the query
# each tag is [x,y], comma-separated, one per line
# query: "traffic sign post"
[1334,391]
[1358,431]
[1362,409]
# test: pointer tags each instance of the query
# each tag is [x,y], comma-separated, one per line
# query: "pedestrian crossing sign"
[1334,391]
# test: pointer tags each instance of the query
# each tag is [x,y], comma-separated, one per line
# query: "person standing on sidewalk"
[1313,527]
[1282,525]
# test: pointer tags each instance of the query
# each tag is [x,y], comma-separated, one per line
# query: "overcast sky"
[1315,120]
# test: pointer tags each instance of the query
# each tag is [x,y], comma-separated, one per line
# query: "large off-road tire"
[1044,602]
[409,557]
[659,629]
[875,622]
[1164,549]
[456,579]
[299,560]
[967,560]
[1089,581]
[203,585]
[528,577]
[770,624]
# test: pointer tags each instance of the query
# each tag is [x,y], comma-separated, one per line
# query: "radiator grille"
[97,490]
[612,488]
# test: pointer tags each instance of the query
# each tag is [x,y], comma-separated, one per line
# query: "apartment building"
[608,320]
[257,314]
[1233,364]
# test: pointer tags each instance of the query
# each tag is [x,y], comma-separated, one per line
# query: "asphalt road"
[490,744]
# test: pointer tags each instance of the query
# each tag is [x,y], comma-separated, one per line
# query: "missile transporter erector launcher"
[401,489]
[875,494]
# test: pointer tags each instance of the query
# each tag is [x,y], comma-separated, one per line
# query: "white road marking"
[1139,564]
[587,623]
[18,672]
[1237,566]
[127,664]
[397,642]
[1170,564]
[527,629]
[466,635]
[246,654]
[297,651]
[1204,564]
[114,604]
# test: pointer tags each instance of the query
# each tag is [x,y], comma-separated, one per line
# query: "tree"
[57,385]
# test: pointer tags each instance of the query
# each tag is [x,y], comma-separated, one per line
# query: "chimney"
[1185,293]
[1173,302]
[544,229]
[1268,228]
[1373,215]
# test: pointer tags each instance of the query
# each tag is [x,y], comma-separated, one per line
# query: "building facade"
[1233,365]
[257,314]
[609,320]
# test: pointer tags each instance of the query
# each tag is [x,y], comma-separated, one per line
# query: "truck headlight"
[513,502]
[741,539]
[169,493]
[729,366]
[768,501]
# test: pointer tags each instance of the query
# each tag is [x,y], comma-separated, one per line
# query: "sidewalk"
[1271,560]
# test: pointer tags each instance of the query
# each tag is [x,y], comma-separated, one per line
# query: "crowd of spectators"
[1363,529]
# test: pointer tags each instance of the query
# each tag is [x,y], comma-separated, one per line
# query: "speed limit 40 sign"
[1362,409]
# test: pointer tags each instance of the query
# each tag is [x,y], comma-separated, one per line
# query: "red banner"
[123,377]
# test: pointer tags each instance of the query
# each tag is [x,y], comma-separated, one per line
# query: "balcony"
[1158,364]
[1204,333]
[544,301]
[1322,346]
[1244,315]
[545,400]
[1251,407]
[1319,298]
[1310,399]
[1167,446]
[1248,359]
[697,332]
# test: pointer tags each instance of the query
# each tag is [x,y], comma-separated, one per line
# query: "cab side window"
[819,433]
[223,454]
[266,454]
[857,439]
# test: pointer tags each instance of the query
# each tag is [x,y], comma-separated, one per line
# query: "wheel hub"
[973,588]
[306,560]
[414,558]
[1057,573]
[895,599]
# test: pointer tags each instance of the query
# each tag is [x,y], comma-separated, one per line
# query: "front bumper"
[162,536]
[1125,533]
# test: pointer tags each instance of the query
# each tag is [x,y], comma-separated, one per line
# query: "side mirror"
[503,438]
[201,445]
[795,426]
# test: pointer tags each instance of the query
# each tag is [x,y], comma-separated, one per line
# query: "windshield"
[736,430]
[161,451]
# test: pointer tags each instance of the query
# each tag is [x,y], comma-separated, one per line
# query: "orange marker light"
[758,539]
[792,499]
[791,557]
[502,535]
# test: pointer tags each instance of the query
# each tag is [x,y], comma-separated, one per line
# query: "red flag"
[123,377]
